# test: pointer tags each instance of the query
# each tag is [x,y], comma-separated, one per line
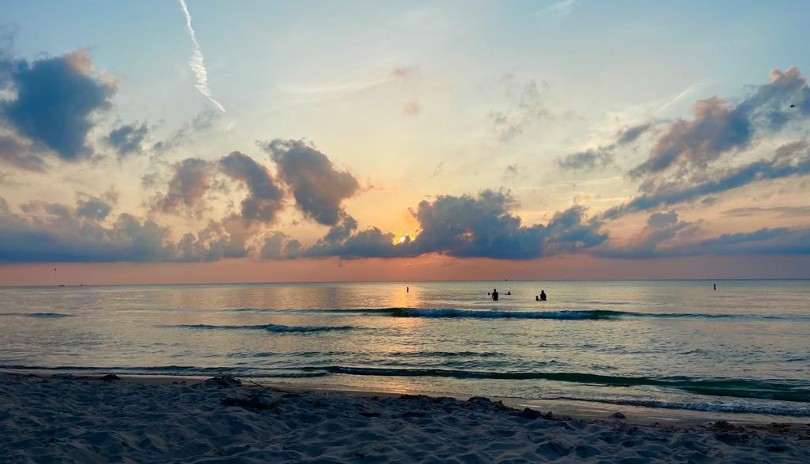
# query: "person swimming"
[494,294]
[542,295]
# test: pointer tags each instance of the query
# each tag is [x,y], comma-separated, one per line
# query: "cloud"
[202,122]
[719,127]
[570,232]
[128,138]
[16,152]
[471,227]
[586,160]
[789,161]
[530,107]
[715,129]
[765,241]
[661,228]
[779,211]
[52,232]
[187,187]
[412,108]
[93,208]
[402,73]
[213,243]
[280,246]
[364,244]
[631,134]
[682,165]
[318,188]
[55,100]
[265,198]
[342,230]
[197,61]
[599,158]
[780,240]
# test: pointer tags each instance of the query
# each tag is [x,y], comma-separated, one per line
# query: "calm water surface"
[671,344]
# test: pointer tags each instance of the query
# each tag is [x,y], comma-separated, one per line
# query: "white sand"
[85,421]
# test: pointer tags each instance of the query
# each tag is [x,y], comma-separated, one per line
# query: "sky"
[183,141]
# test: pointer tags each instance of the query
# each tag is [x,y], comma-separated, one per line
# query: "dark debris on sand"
[224,381]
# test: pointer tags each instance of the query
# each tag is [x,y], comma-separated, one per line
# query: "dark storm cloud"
[471,227]
[17,153]
[187,187]
[600,157]
[265,199]
[720,127]
[318,188]
[128,138]
[790,160]
[54,102]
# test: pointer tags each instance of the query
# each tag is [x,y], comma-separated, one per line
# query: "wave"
[171,370]
[780,409]
[783,390]
[788,391]
[489,314]
[565,314]
[275,328]
[38,315]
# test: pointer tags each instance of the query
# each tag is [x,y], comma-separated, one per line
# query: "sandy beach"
[98,420]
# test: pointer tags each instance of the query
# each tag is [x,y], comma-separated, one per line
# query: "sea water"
[744,347]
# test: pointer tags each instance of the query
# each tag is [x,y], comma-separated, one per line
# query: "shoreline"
[589,410]
[136,419]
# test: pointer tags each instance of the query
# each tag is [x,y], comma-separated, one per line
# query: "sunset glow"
[464,140]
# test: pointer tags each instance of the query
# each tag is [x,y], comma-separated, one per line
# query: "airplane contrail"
[196,62]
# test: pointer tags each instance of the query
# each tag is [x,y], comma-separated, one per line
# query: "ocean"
[742,348]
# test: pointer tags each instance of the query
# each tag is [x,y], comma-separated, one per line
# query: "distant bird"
[793,106]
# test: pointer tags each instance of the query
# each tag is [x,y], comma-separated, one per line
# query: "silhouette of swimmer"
[536,298]
[542,295]
[509,293]
[407,289]
[494,294]
[715,287]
